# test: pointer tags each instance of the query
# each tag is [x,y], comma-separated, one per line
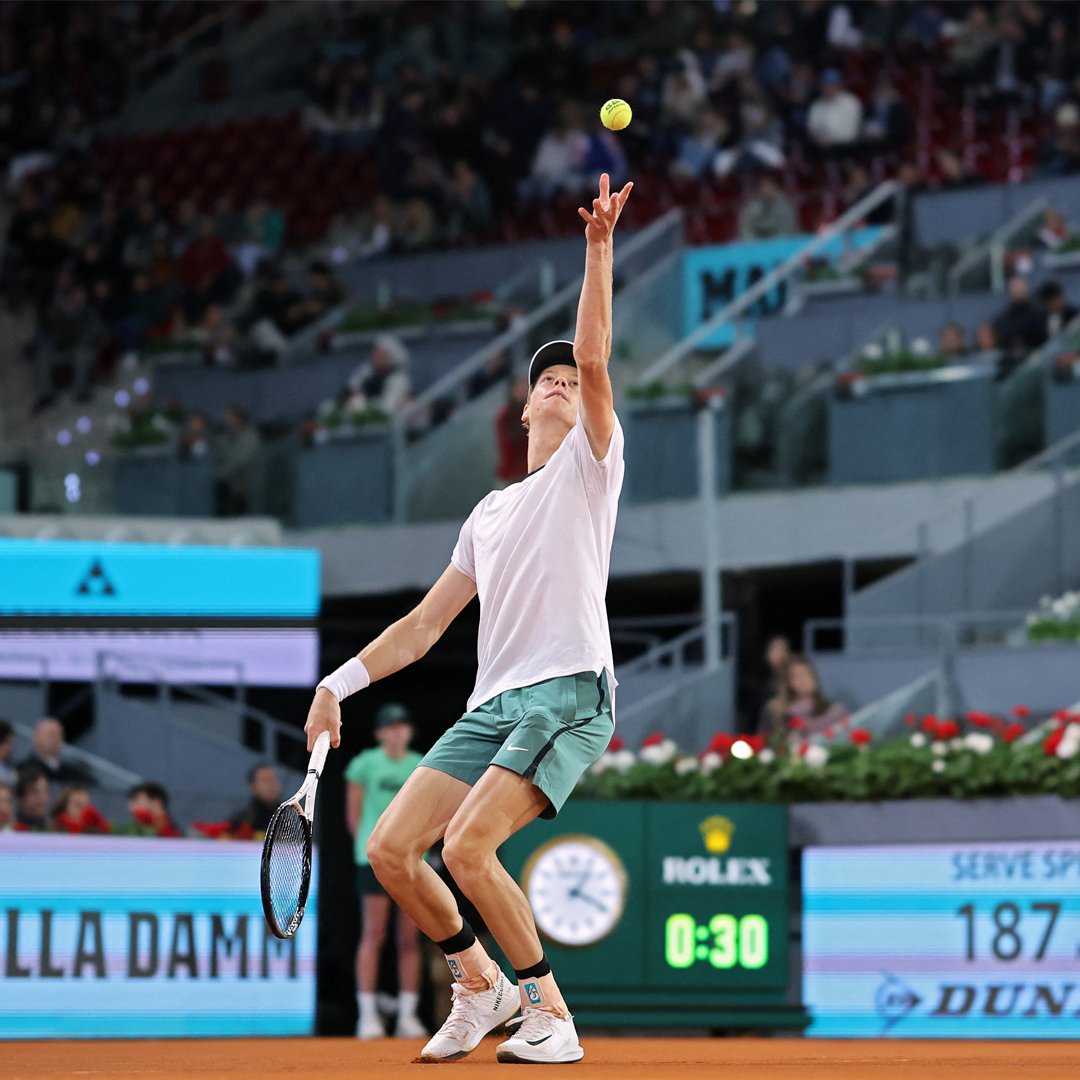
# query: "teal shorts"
[550,733]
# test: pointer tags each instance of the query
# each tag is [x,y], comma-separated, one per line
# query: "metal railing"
[990,253]
[108,774]
[793,264]
[552,316]
[269,727]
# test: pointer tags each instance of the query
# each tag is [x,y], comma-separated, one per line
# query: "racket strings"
[289,865]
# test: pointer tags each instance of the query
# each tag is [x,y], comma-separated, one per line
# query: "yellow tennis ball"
[615,114]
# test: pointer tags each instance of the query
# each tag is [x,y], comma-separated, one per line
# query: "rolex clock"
[576,885]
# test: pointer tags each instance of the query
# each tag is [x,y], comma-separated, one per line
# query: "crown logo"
[716,833]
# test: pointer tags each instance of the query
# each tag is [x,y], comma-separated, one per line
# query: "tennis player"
[537,554]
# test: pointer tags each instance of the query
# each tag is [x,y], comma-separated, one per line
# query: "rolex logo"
[716,833]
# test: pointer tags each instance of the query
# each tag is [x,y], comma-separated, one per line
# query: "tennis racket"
[286,854]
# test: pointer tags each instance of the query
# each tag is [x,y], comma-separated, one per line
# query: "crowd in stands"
[793,706]
[49,792]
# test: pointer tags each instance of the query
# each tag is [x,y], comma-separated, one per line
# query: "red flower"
[803,747]
[860,737]
[616,744]
[829,732]
[930,725]
[1021,712]
[911,719]
[1053,740]
[720,743]
[755,742]
[797,723]
[1012,732]
[655,739]
[948,729]
[979,719]
[215,830]
[1072,718]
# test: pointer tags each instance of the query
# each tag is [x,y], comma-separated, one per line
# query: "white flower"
[686,765]
[1070,742]
[939,749]
[710,762]
[920,347]
[622,760]
[979,741]
[938,766]
[918,740]
[873,352]
[956,744]
[816,756]
[766,756]
[660,754]
[602,764]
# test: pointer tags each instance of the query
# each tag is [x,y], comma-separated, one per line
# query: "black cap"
[554,352]
[392,713]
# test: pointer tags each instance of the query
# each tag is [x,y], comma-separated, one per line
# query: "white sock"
[407,1001]
[365,1003]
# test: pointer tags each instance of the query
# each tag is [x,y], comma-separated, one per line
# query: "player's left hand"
[600,224]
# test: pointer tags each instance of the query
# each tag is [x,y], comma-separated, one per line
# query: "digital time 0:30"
[725,941]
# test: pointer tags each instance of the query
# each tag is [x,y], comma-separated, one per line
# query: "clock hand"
[578,895]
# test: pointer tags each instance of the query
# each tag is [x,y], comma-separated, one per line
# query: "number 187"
[1006,943]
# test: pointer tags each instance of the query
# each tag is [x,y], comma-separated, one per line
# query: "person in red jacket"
[74,812]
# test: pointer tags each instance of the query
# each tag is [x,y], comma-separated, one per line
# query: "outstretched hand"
[600,224]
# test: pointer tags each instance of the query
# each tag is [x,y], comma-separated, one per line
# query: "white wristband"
[350,677]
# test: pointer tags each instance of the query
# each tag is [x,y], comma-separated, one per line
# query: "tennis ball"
[615,114]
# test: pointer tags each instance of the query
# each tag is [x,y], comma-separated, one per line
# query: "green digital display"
[725,941]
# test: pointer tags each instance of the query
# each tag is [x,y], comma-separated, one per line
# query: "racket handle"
[318,754]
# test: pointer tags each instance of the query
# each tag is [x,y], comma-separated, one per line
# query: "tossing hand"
[606,209]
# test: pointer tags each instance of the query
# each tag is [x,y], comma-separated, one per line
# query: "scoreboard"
[680,909]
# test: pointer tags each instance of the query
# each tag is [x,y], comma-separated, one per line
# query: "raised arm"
[399,645]
[592,336]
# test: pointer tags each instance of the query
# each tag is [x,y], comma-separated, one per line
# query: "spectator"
[47,751]
[261,235]
[32,799]
[699,148]
[801,709]
[1020,326]
[1059,313]
[194,442]
[265,319]
[511,438]
[683,93]
[374,778]
[69,336]
[237,460]
[1006,71]
[469,212]
[7,747]
[148,805]
[558,164]
[887,124]
[769,213]
[7,809]
[1054,230]
[953,173]
[835,119]
[206,270]
[1058,64]
[264,785]
[74,812]
[760,144]
[952,344]
[1059,154]
[324,294]
[361,234]
[987,349]
[383,382]
[773,676]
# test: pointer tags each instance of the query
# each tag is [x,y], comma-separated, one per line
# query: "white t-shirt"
[539,552]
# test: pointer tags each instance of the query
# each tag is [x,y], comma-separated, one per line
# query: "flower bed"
[1056,620]
[980,756]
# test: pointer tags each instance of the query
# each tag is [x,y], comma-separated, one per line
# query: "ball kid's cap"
[554,352]
[392,713]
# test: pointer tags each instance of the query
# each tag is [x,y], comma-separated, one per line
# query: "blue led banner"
[943,941]
[82,577]
[108,938]
[714,276]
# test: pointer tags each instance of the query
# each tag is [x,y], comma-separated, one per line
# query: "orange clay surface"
[610,1059]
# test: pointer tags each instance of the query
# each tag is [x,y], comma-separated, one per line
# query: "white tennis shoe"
[542,1038]
[370,1027]
[409,1027]
[473,1014]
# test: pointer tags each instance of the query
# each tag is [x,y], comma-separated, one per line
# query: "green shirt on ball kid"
[381,777]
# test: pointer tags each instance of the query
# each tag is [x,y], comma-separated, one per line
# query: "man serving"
[537,553]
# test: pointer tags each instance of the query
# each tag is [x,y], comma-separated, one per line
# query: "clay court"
[657,1059]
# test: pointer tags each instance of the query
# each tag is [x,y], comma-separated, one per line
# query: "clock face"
[577,888]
